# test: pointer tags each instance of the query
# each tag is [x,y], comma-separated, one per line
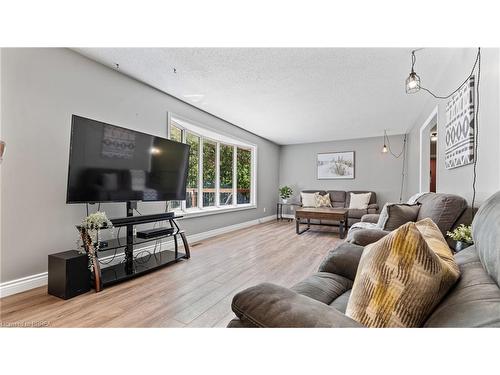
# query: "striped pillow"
[402,277]
[323,200]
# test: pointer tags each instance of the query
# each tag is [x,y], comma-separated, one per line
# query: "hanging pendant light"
[413,81]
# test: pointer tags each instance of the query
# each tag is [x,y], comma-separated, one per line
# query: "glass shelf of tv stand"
[119,243]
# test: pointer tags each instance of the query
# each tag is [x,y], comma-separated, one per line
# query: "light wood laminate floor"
[192,293]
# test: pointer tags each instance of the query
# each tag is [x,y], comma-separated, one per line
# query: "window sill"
[212,211]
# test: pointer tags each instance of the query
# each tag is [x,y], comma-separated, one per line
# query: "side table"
[279,210]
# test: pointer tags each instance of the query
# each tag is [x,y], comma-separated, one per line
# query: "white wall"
[42,88]
[374,170]
[459,180]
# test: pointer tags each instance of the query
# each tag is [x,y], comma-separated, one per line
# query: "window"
[221,172]
[209,151]
[193,173]
[244,166]
[226,175]
[175,135]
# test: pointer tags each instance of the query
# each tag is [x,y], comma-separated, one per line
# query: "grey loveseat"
[342,199]
[446,210]
[321,299]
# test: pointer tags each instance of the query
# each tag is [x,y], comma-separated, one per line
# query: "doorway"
[429,152]
[432,160]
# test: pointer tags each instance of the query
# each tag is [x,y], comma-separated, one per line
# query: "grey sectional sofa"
[321,299]
[342,199]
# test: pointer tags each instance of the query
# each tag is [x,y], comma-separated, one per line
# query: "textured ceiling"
[288,95]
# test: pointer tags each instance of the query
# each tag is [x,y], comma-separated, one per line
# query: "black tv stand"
[139,265]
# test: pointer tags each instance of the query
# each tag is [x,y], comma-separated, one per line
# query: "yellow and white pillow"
[323,200]
[402,277]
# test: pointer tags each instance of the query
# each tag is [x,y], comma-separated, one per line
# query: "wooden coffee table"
[322,213]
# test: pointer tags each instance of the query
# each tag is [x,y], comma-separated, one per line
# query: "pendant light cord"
[477,63]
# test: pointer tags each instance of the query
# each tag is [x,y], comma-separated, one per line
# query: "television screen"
[112,164]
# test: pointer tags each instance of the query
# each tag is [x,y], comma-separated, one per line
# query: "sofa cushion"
[443,209]
[486,235]
[323,287]
[394,215]
[473,302]
[340,303]
[359,201]
[402,277]
[355,213]
[337,197]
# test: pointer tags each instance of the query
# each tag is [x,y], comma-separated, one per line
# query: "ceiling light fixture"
[434,137]
[413,80]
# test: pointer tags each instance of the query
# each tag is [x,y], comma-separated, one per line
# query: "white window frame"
[204,132]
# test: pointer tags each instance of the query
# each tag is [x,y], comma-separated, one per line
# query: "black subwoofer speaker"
[69,274]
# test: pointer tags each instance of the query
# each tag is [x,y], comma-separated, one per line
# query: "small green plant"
[285,192]
[89,233]
[462,233]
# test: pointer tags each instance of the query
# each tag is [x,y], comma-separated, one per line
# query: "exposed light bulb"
[155,151]
[412,83]
[384,149]
[434,137]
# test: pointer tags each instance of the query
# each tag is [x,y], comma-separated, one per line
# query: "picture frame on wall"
[336,165]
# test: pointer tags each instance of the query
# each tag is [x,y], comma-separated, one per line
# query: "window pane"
[193,174]
[243,165]
[175,205]
[226,175]
[175,133]
[209,149]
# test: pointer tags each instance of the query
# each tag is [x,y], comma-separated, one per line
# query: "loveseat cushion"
[324,287]
[356,213]
[402,277]
[473,302]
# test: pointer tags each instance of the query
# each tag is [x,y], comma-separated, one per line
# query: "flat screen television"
[109,163]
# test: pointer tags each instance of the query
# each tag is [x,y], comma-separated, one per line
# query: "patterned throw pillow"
[402,277]
[323,200]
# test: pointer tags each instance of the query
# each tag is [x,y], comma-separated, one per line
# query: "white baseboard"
[34,281]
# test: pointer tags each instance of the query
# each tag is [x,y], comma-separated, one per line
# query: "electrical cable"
[403,170]
[477,63]
[388,143]
[137,211]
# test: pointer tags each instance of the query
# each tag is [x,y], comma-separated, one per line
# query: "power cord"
[477,63]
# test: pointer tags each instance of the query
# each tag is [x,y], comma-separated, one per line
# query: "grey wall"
[41,89]
[459,180]
[374,170]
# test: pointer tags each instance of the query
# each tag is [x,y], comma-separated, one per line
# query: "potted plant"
[285,193]
[89,234]
[462,235]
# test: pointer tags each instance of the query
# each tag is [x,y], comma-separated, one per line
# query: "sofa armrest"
[270,305]
[363,237]
[370,218]
[342,260]
[373,208]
